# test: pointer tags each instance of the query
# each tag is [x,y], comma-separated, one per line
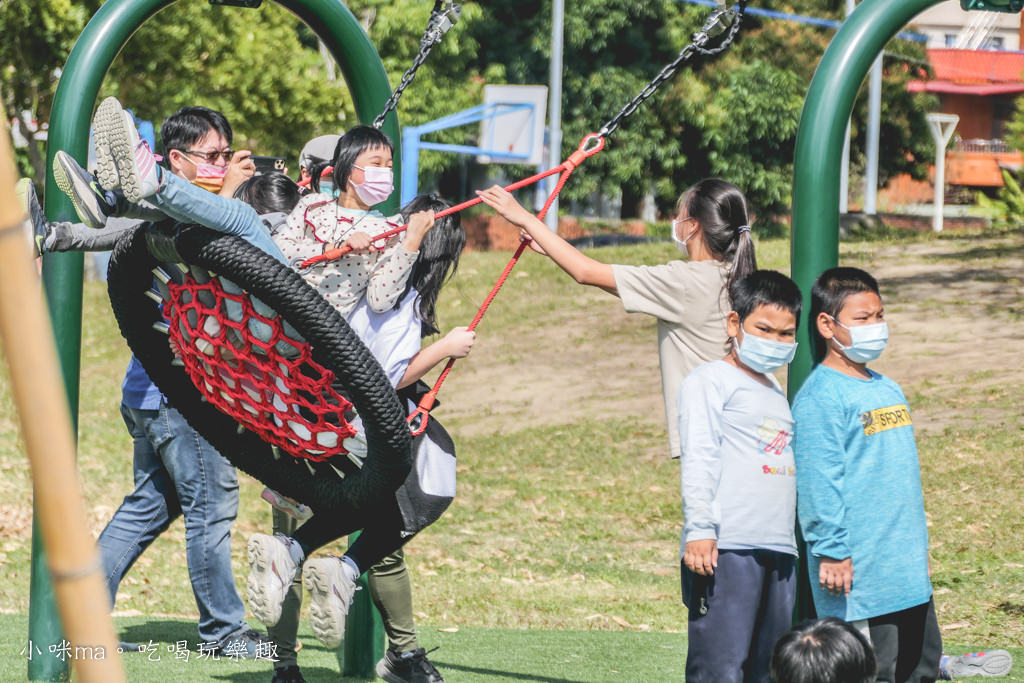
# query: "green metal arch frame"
[103,38]
[814,245]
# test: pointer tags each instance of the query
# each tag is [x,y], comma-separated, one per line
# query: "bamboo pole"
[74,560]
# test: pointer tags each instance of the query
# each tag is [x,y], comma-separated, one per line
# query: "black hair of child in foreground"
[828,650]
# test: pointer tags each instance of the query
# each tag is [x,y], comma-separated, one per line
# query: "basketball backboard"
[514,133]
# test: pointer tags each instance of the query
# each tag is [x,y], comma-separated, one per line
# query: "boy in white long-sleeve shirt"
[739,489]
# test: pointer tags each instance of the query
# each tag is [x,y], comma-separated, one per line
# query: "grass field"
[558,561]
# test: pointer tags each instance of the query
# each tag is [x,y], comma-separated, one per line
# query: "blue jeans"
[177,472]
[187,203]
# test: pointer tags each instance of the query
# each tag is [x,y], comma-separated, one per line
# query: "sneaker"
[41,231]
[92,203]
[247,644]
[331,592]
[271,572]
[286,505]
[408,667]
[985,663]
[122,158]
[288,674]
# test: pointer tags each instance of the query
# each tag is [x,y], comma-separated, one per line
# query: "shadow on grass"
[512,675]
[310,673]
[166,631]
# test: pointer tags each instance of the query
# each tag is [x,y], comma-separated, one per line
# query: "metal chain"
[444,15]
[717,23]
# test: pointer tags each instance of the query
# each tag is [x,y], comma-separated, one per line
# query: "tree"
[259,67]
[37,38]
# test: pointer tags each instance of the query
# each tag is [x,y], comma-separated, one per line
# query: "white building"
[947,25]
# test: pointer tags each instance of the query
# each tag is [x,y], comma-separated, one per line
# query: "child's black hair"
[721,210]
[189,125]
[349,147]
[825,651]
[438,259]
[269,193]
[829,294]
[765,288]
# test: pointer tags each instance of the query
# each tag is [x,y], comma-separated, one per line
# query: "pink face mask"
[378,184]
[208,176]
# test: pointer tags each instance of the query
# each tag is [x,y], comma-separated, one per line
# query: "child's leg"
[907,647]
[719,640]
[776,613]
[285,632]
[391,591]
[65,236]
[185,202]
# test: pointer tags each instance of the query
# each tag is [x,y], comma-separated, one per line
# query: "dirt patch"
[955,307]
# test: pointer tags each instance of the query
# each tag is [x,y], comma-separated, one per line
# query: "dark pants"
[381,533]
[737,615]
[907,645]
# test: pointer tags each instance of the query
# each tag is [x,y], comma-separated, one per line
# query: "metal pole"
[555,104]
[814,245]
[874,132]
[844,177]
[942,127]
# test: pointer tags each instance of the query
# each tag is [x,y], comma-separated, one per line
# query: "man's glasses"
[211,157]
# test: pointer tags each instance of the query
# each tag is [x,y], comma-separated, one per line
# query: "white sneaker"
[331,591]
[122,154]
[271,572]
[290,507]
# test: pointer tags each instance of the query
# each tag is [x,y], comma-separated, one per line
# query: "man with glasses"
[176,472]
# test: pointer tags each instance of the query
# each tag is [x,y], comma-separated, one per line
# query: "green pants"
[390,590]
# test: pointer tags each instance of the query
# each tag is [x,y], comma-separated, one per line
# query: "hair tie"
[743,228]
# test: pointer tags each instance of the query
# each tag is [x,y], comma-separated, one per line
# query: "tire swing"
[269,378]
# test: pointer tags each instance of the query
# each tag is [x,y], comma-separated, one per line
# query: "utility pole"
[555,104]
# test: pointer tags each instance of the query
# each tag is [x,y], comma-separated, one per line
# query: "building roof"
[973,72]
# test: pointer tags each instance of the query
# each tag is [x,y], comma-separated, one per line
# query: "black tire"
[334,345]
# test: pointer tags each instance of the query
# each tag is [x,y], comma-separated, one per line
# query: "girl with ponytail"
[689,298]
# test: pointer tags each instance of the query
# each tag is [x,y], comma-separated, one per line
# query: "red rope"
[591,145]
[566,168]
[247,366]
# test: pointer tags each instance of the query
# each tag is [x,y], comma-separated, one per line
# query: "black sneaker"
[41,230]
[92,203]
[408,667]
[247,644]
[288,674]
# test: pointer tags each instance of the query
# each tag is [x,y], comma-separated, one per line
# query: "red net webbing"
[246,365]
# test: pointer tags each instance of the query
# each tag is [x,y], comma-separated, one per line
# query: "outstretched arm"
[456,344]
[579,266]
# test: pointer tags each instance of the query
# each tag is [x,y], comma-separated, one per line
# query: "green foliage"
[37,37]
[734,116]
[1007,209]
[260,67]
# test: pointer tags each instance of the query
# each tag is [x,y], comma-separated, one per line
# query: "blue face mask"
[764,355]
[866,341]
[327,186]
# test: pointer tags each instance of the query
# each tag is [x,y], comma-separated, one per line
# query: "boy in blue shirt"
[739,489]
[861,506]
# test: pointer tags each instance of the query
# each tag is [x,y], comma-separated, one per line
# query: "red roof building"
[980,86]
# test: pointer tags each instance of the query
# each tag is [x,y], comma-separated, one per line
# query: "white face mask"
[764,355]
[866,341]
[681,244]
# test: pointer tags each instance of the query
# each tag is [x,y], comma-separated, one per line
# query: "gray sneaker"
[41,231]
[408,667]
[985,663]
[92,203]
